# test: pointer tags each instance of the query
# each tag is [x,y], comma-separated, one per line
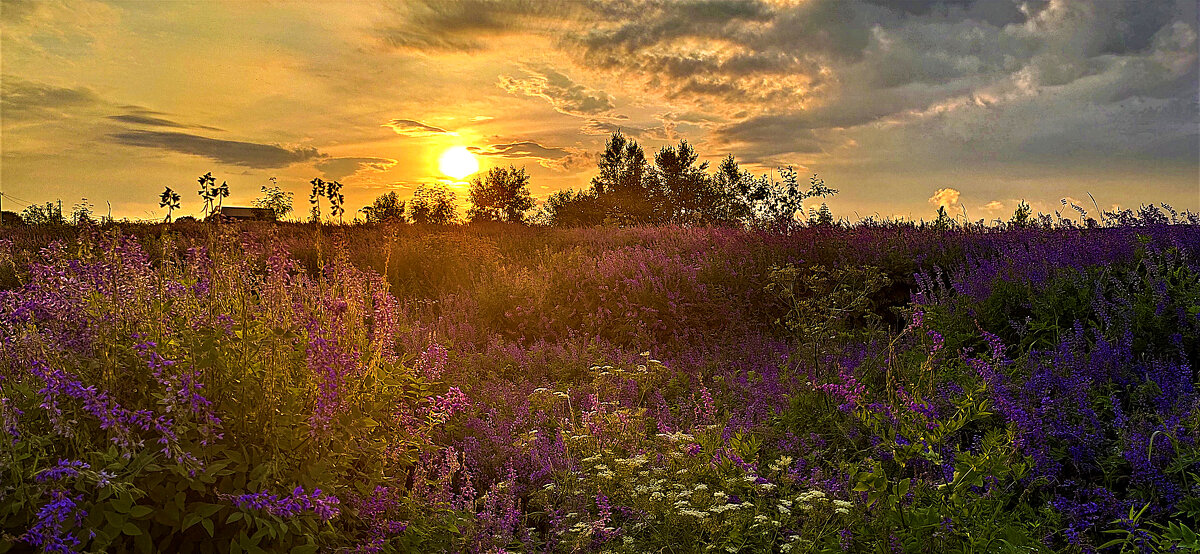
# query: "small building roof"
[240,212]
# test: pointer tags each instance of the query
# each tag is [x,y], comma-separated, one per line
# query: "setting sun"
[458,162]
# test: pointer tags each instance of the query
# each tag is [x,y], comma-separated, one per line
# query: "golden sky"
[970,104]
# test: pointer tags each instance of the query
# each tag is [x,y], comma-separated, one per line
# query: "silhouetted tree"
[275,199]
[502,195]
[1022,216]
[433,204]
[570,208]
[820,217]
[676,189]
[387,207]
[688,192]
[624,186]
[49,214]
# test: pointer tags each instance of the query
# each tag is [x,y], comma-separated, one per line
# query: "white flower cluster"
[636,461]
[678,436]
[781,464]
[720,509]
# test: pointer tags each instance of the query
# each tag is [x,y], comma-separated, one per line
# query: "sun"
[458,162]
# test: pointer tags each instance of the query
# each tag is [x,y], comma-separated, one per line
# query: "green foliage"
[275,199]
[826,305]
[1022,216]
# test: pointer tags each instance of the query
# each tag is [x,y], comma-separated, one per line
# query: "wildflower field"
[881,387]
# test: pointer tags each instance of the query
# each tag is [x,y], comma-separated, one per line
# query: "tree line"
[628,189]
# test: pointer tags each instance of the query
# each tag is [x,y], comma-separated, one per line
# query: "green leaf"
[208,526]
[204,509]
[138,512]
[122,505]
[236,516]
[143,544]
[131,529]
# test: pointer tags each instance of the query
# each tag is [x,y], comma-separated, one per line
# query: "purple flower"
[432,362]
[938,341]
[51,528]
[446,405]
[850,392]
[324,506]
[62,470]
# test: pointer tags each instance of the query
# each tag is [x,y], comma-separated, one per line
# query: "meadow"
[876,387]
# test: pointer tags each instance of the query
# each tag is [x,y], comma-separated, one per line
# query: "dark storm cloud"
[785,78]
[412,128]
[337,168]
[246,154]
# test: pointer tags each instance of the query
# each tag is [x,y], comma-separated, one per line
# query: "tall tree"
[686,187]
[624,185]
[501,195]
[736,193]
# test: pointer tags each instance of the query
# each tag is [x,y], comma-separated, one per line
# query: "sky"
[901,105]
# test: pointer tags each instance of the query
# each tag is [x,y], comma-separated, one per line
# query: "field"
[881,387]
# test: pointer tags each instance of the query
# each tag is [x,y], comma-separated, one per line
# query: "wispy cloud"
[338,168]
[413,128]
[152,121]
[547,156]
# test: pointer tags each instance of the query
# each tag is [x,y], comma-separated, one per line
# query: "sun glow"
[458,162]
